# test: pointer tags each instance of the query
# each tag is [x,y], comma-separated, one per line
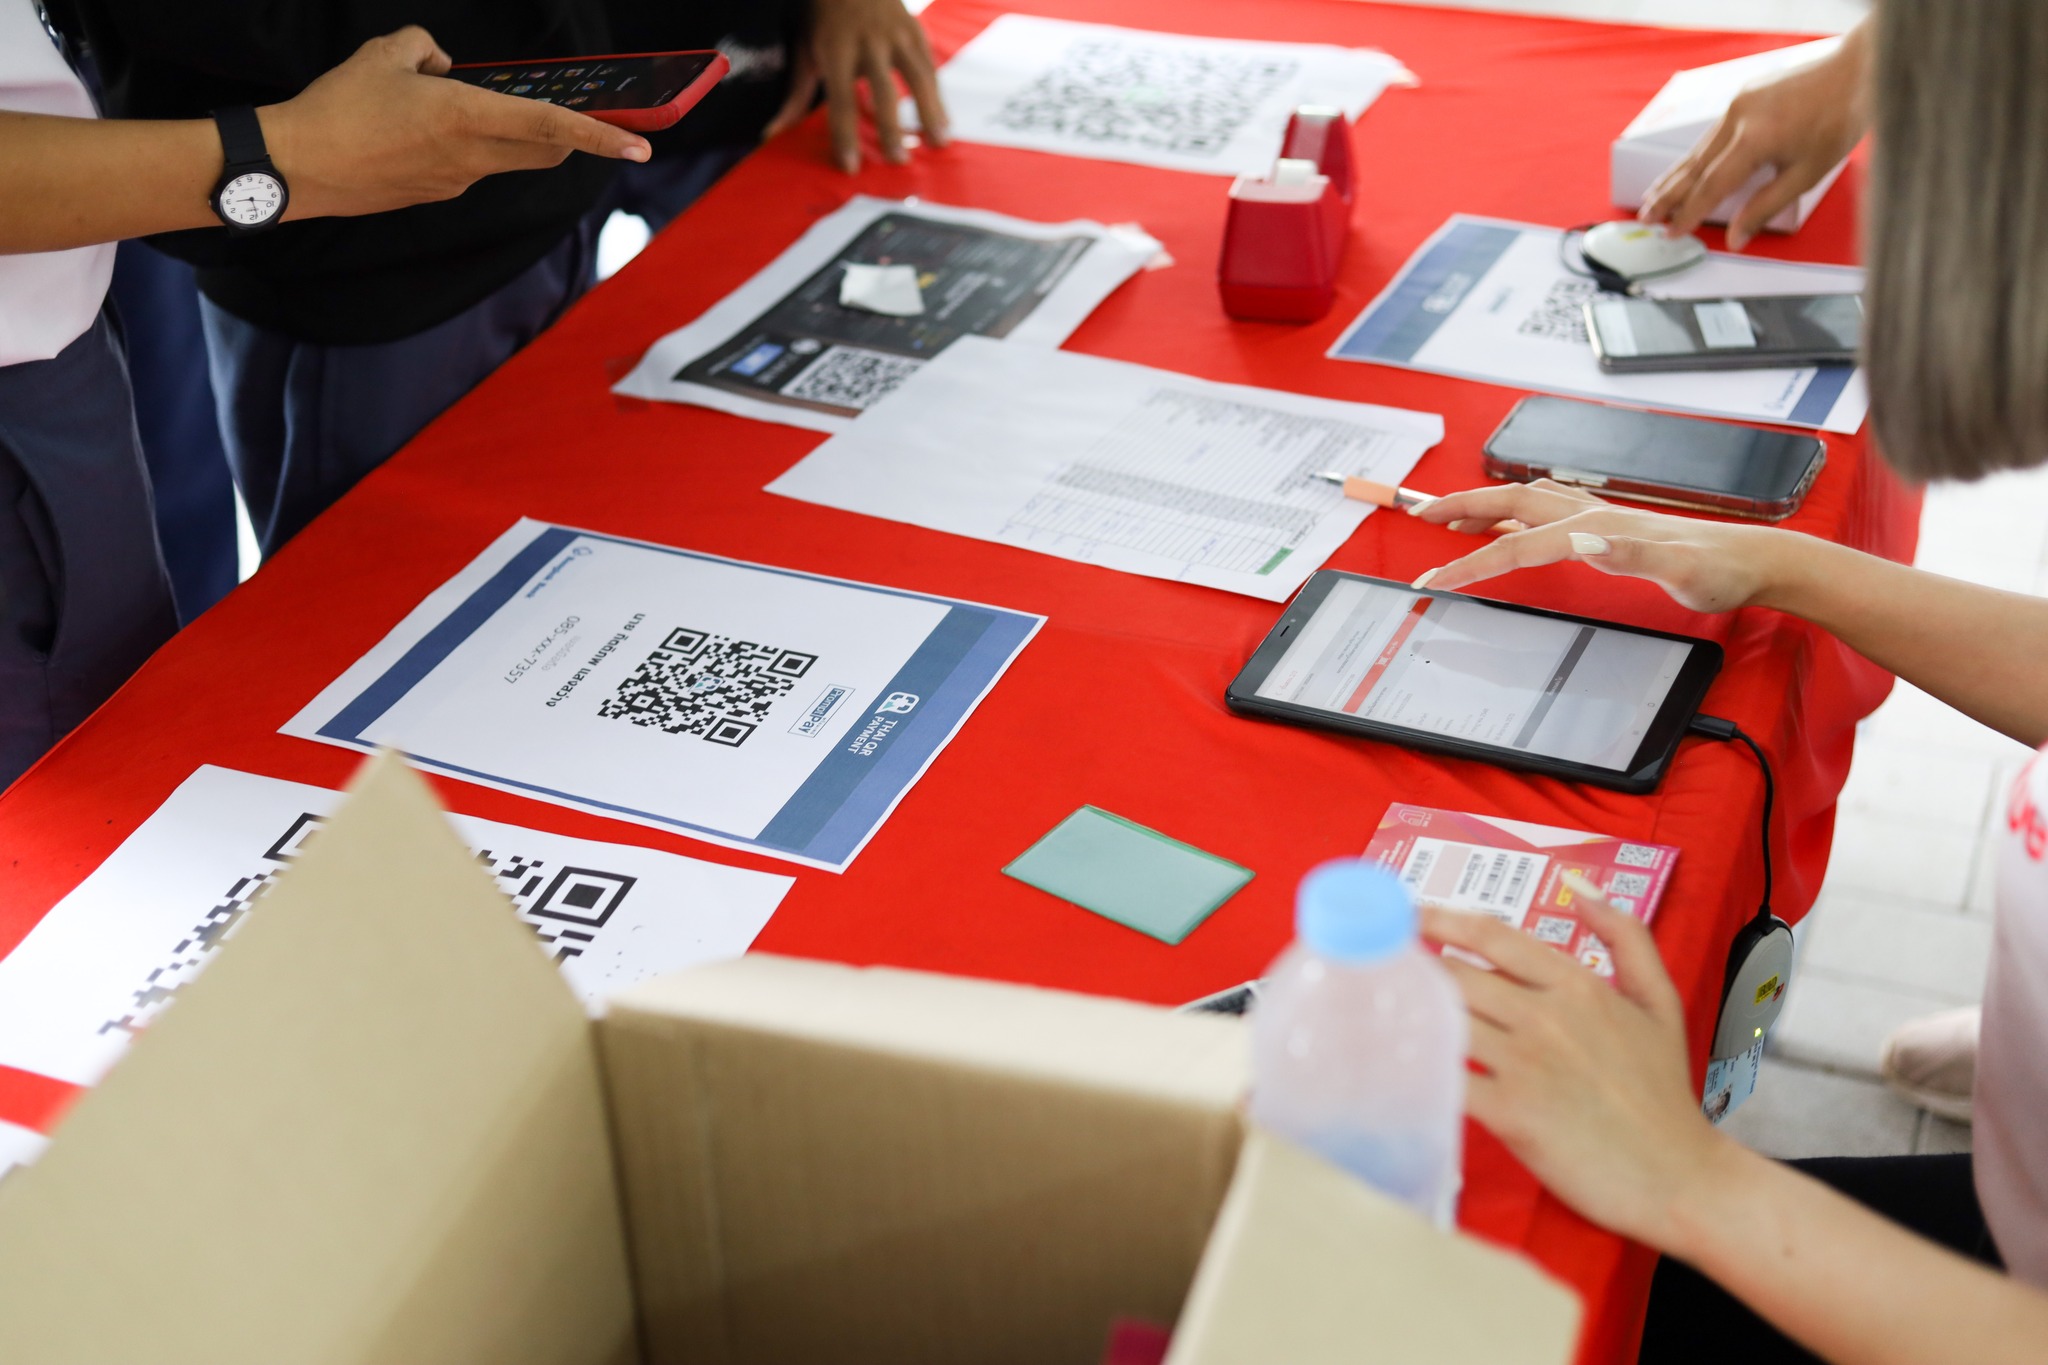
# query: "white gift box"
[1689,104]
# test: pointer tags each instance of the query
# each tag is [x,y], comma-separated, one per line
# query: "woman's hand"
[1704,565]
[1585,1080]
[1800,123]
[384,130]
[851,39]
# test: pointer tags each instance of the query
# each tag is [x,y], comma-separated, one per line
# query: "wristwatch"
[250,194]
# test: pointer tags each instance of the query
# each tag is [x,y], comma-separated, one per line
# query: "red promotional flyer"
[1513,871]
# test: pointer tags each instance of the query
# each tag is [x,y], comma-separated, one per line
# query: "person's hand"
[851,39]
[1800,123]
[1704,565]
[1584,1080]
[384,130]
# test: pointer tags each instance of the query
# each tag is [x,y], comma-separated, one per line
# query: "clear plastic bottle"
[1358,1040]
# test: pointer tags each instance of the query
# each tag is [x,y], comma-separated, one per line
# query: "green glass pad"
[1126,872]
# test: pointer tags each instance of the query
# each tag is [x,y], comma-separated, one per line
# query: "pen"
[1378,494]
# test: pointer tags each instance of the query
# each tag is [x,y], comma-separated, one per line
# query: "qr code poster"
[118,951]
[787,347]
[1217,105]
[736,703]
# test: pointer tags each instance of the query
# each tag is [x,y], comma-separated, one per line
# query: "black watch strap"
[241,135]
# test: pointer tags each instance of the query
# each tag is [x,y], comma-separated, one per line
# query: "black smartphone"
[643,91]
[1724,334]
[1588,701]
[1657,458]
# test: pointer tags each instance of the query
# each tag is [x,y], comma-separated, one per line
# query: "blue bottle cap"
[1354,910]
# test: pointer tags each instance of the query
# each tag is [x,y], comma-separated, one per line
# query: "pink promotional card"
[1513,870]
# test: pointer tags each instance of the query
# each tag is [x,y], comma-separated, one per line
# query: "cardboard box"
[380,1129]
[1690,103]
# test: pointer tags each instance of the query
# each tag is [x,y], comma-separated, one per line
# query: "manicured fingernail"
[1585,543]
[637,152]
[1576,880]
[850,162]
[1424,581]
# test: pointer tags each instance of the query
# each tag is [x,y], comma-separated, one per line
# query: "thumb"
[415,49]
[1626,555]
[1638,967]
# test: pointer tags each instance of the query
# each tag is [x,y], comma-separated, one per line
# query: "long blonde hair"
[1956,237]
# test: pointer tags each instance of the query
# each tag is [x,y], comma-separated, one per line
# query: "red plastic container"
[1285,237]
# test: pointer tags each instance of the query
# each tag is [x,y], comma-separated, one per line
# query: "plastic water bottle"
[1358,1040]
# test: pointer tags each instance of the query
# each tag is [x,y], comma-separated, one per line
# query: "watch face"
[251,199]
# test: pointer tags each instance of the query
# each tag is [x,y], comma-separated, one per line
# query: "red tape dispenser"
[1285,235]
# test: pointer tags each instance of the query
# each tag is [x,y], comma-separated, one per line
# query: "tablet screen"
[1452,666]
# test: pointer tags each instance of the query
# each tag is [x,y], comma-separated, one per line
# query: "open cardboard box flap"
[380,1129]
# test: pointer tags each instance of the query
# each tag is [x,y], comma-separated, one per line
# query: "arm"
[850,39]
[1587,1084]
[1800,123]
[378,132]
[1974,647]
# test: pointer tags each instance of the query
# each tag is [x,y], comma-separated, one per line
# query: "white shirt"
[47,299]
[2011,1103]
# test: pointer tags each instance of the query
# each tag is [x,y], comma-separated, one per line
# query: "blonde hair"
[1956,237]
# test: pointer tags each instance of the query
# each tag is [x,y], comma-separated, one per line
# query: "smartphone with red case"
[643,91]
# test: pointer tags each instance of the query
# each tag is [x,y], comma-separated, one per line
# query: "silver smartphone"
[1770,332]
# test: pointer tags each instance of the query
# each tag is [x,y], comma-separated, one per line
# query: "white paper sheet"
[1489,300]
[1132,468]
[751,706]
[1216,105]
[783,348]
[115,952]
[18,1146]
[890,290]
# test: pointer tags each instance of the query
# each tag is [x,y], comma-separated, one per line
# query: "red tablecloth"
[1119,701]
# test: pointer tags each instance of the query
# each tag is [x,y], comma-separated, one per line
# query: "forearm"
[1977,648]
[1850,1285]
[68,182]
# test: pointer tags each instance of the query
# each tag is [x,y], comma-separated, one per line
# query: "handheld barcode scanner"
[1759,965]
[1760,958]
[1619,256]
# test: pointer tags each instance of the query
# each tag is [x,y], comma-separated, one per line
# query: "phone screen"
[1546,436]
[1806,325]
[1467,670]
[590,85]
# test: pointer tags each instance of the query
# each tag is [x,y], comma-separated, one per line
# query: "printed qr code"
[850,377]
[1119,93]
[1553,929]
[1560,317]
[1628,884]
[566,907]
[1637,855]
[711,686]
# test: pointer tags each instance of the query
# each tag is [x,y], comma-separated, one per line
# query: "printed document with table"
[1132,468]
[116,952]
[1492,301]
[1214,105]
[826,330]
[755,707]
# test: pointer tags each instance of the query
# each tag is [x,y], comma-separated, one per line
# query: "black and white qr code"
[1628,884]
[711,686]
[1561,316]
[566,907]
[1637,855]
[851,377]
[1114,93]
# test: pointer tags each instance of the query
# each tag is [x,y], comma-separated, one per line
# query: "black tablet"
[1585,700]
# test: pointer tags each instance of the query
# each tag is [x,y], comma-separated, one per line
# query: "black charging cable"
[1713,727]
